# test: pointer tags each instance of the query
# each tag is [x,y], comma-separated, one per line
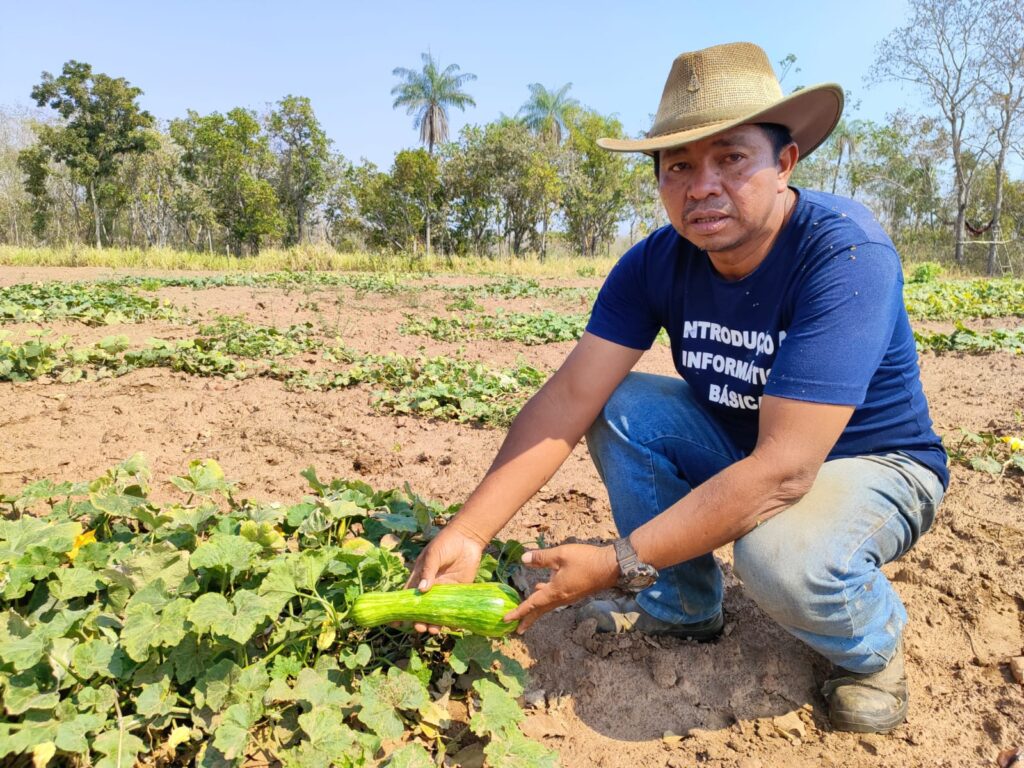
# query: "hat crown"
[720,83]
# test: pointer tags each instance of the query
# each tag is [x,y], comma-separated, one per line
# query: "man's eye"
[734,157]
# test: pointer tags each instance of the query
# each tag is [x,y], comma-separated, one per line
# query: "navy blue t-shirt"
[821,319]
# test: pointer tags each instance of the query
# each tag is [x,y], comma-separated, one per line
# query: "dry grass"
[301,258]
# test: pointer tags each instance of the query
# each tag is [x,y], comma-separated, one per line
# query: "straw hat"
[718,88]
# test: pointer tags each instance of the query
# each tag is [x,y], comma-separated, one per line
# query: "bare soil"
[749,700]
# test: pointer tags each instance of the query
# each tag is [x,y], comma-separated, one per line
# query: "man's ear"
[788,158]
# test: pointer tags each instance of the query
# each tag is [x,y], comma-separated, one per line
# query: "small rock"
[535,699]
[671,738]
[663,671]
[790,726]
[1017,668]
[749,762]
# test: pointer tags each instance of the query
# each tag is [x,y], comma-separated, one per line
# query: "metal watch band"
[626,556]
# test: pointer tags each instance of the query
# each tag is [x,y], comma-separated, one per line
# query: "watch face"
[640,578]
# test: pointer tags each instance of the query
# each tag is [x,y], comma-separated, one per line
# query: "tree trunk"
[428,232]
[839,163]
[997,210]
[961,215]
[96,215]
[1003,135]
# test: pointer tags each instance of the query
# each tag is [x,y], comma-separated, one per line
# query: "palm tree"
[547,112]
[427,95]
[845,138]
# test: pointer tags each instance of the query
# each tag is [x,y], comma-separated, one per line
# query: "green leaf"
[251,685]
[17,536]
[278,586]
[100,700]
[514,750]
[144,629]
[204,477]
[476,649]
[74,582]
[250,611]
[22,694]
[161,561]
[318,691]
[284,667]
[225,551]
[413,756]
[213,688]
[330,740]
[986,464]
[155,699]
[360,658]
[23,652]
[211,612]
[119,749]
[190,518]
[232,735]
[93,658]
[498,712]
[382,696]
[71,734]
[402,523]
[191,657]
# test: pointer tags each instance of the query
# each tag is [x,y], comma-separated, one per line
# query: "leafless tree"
[941,49]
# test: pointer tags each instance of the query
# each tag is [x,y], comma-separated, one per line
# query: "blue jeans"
[814,568]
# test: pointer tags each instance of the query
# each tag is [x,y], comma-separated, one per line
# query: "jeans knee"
[794,588]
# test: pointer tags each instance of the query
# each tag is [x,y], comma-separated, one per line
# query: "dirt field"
[749,700]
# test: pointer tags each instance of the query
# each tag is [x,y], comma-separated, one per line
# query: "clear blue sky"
[212,56]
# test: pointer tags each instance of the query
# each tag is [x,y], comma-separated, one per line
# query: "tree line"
[102,171]
[91,166]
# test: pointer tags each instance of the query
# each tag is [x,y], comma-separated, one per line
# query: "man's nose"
[705,181]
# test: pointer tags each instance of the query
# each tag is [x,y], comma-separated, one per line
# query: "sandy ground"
[749,700]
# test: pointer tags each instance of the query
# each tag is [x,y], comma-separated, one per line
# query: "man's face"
[726,194]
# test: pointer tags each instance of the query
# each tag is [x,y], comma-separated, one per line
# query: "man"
[798,428]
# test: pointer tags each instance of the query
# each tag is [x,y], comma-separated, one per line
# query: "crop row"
[435,387]
[216,630]
[530,329]
[964,339]
[88,303]
[117,301]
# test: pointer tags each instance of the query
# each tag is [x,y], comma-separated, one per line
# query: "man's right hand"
[453,557]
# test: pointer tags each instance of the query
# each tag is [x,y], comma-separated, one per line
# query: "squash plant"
[217,629]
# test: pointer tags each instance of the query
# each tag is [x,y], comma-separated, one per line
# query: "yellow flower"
[80,541]
[1015,443]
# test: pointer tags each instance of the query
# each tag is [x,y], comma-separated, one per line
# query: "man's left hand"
[577,570]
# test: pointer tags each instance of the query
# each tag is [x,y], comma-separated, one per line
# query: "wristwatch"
[634,575]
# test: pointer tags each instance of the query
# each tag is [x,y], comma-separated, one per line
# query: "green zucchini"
[474,607]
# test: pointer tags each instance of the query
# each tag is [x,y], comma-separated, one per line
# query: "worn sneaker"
[624,614]
[871,703]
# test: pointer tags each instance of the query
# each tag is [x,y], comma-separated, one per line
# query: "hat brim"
[811,114]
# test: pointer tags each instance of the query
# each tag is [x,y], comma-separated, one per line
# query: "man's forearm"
[718,511]
[538,442]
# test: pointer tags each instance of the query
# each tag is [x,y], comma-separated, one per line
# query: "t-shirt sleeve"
[843,321]
[623,312]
